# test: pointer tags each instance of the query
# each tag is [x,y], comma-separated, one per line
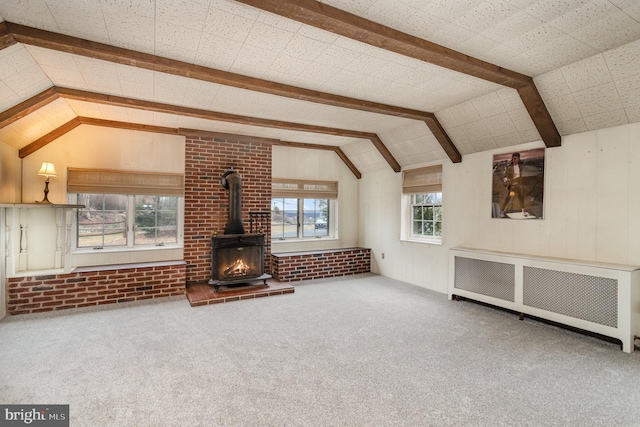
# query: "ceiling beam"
[273,141]
[74,45]
[226,117]
[540,115]
[128,126]
[27,107]
[6,38]
[337,21]
[50,137]
[72,124]
[438,131]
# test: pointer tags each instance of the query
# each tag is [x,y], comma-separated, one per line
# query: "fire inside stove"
[239,268]
[235,258]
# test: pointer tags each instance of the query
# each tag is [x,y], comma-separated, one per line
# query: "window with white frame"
[303,209]
[422,192]
[126,220]
[126,209]
[426,215]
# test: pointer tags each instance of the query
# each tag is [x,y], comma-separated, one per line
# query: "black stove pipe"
[231,181]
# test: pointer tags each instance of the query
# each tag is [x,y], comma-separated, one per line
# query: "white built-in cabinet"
[36,238]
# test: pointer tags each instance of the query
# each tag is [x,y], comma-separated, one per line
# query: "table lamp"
[47,170]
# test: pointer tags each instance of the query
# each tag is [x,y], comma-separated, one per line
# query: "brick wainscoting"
[295,266]
[34,294]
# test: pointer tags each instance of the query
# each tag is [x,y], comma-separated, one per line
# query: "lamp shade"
[47,169]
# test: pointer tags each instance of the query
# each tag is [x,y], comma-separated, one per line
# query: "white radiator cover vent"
[595,297]
[581,296]
[494,279]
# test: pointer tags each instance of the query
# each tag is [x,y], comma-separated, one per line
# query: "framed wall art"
[518,185]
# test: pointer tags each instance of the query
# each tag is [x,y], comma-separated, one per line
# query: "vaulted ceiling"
[383,83]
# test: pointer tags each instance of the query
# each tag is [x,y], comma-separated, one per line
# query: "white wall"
[9,174]
[9,193]
[592,200]
[289,162]
[101,148]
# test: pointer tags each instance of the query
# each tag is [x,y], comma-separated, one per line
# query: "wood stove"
[236,257]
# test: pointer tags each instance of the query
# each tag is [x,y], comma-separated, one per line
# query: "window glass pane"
[295,218]
[437,213]
[167,203]
[316,217]
[427,228]
[284,218]
[426,215]
[156,220]
[417,212]
[103,220]
[115,202]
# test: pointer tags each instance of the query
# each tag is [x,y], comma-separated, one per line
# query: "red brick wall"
[293,266]
[207,202]
[206,213]
[34,294]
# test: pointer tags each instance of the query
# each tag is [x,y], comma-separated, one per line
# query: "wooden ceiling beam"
[128,126]
[63,43]
[81,95]
[74,45]
[273,141]
[438,131]
[27,107]
[6,37]
[72,124]
[50,137]
[337,21]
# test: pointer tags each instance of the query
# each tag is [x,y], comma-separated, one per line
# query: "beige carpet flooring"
[359,351]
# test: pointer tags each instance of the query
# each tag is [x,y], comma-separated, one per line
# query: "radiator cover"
[599,298]
[581,296]
[494,279]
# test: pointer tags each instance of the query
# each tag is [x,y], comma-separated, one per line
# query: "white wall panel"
[300,163]
[591,209]
[98,147]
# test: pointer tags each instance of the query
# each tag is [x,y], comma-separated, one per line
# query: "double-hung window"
[303,209]
[126,209]
[422,195]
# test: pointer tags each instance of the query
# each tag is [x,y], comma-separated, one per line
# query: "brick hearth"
[205,294]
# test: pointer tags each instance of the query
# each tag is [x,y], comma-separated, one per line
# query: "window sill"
[125,249]
[424,241]
[307,240]
[92,268]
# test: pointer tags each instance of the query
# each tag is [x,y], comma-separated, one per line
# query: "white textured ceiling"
[584,56]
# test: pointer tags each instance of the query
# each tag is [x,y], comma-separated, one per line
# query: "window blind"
[422,180]
[301,189]
[124,182]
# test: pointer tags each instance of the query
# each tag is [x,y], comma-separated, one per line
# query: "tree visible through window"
[426,215]
[103,220]
[156,220]
[111,220]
